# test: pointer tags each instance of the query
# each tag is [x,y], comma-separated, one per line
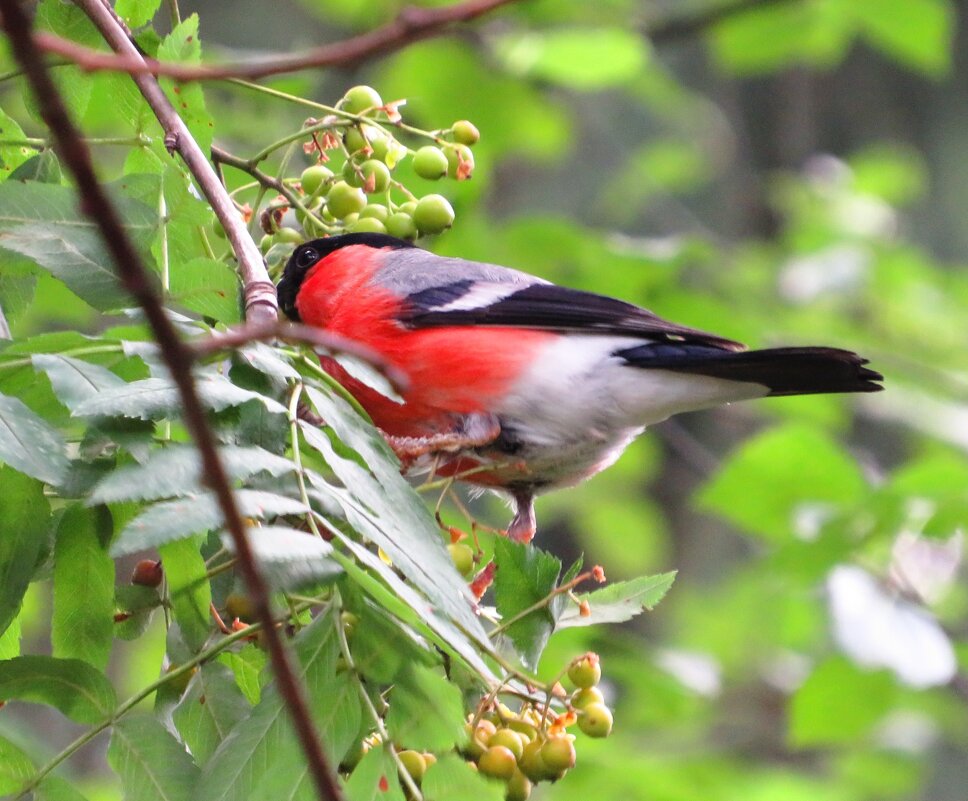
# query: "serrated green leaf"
[12,156]
[375,778]
[289,557]
[426,710]
[764,482]
[82,625]
[156,397]
[579,58]
[211,707]
[189,588]
[620,601]
[265,740]
[246,665]
[183,46]
[41,221]
[136,13]
[525,575]
[152,764]
[75,380]
[208,287]
[839,703]
[173,520]
[77,689]
[24,514]
[16,769]
[43,168]
[29,444]
[176,471]
[451,778]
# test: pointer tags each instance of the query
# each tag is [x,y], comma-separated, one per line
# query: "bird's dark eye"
[307,257]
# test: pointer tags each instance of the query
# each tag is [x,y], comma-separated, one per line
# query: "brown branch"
[296,332]
[684,27]
[178,358]
[258,290]
[410,25]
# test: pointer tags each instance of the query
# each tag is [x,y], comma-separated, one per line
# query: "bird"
[518,385]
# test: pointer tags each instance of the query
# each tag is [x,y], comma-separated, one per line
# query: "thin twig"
[178,357]
[684,27]
[258,290]
[296,332]
[410,25]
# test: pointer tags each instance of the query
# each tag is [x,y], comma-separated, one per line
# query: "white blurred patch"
[831,271]
[786,671]
[810,518]
[909,731]
[925,568]
[879,630]
[866,216]
[693,670]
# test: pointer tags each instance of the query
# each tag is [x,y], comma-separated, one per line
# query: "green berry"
[510,740]
[314,177]
[401,226]
[265,243]
[589,695]
[376,211]
[361,98]
[408,208]
[290,236]
[558,753]
[478,738]
[462,556]
[354,140]
[349,219]
[414,763]
[367,225]
[531,763]
[465,132]
[519,787]
[344,200]
[460,162]
[595,720]
[523,728]
[497,762]
[585,671]
[430,162]
[376,176]
[433,214]
[349,621]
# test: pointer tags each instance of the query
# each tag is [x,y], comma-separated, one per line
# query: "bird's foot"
[523,525]
[471,431]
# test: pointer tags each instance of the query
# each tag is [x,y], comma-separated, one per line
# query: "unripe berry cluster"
[352,189]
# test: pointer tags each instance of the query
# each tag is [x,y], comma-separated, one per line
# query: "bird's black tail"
[786,371]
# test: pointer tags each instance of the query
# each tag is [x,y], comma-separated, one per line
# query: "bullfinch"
[516,384]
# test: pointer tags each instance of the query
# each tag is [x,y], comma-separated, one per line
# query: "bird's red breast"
[452,370]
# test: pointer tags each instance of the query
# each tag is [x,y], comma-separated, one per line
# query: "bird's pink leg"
[523,525]
[471,431]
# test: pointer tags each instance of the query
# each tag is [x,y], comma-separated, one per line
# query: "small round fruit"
[477,739]
[460,162]
[360,98]
[589,695]
[523,728]
[239,606]
[558,753]
[510,740]
[430,162]
[350,622]
[401,226]
[531,763]
[462,556]
[408,208]
[289,236]
[376,176]
[376,211]
[147,573]
[596,720]
[354,140]
[433,214]
[519,787]
[314,177]
[344,200]
[265,243]
[497,762]
[466,133]
[414,763]
[367,225]
[586,671]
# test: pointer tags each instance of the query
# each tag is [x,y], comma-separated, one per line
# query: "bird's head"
[309,254]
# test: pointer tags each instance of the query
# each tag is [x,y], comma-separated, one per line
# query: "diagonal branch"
[410,25]
[259,292]
[178,358]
